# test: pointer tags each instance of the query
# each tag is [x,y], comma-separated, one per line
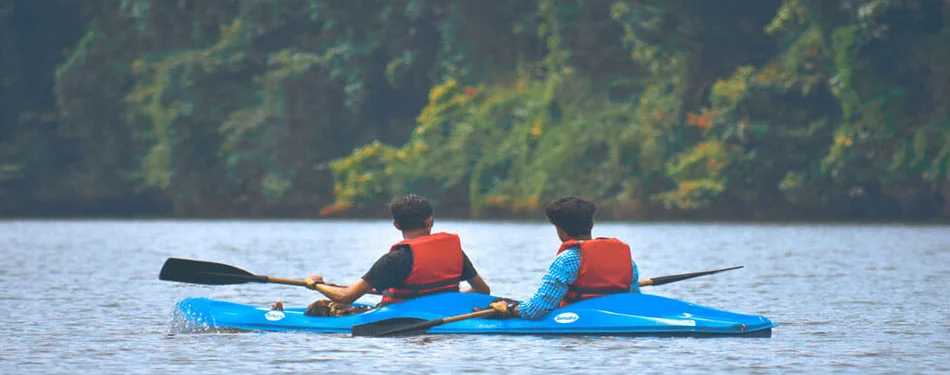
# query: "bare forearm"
[344,294]
[478,285]
[333,292]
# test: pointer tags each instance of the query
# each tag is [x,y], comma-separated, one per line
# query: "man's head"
[573,217]
[411,212]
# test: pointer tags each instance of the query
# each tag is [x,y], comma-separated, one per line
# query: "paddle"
[411,326]
[210,273]
[683,276]
[414,326]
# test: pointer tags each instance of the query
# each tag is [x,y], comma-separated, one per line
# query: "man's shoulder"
[568,255]
[570,251]
[394,257]
[388,268]
[565,265]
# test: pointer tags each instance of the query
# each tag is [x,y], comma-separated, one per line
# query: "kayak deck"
[629,314]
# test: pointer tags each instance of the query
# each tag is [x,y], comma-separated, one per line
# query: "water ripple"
[83,296]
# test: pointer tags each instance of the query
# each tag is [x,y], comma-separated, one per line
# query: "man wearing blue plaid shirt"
[573,218]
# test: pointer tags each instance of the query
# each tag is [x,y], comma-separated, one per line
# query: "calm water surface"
[84,296]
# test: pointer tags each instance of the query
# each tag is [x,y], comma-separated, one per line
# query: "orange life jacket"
[436,267]
[606,268]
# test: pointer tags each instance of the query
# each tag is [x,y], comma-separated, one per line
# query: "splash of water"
[184,318]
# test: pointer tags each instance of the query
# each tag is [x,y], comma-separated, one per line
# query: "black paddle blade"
[674,278]
[394,327]
[206,273]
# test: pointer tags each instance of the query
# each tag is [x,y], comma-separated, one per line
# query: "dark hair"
[572,214]
[410,211]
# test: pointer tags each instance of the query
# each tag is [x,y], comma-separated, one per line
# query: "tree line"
[727,109]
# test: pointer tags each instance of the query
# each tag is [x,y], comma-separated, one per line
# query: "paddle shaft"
[648,282]
[477,314]
[410,326]
[674,278]
[280,280]
[303,283]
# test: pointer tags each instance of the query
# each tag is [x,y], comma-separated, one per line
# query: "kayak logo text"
[565,318]
[274,315]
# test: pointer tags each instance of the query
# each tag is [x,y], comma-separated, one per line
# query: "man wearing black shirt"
[423,263]
[393,268]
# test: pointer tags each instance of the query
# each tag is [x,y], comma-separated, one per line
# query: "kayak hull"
[629,314]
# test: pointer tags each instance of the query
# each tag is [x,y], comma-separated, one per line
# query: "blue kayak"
[629,314]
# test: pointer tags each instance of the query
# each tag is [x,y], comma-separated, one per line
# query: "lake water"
[84,297]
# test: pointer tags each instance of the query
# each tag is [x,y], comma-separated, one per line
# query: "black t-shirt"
[393,268]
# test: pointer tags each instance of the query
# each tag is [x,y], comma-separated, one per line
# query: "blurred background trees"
[299,108]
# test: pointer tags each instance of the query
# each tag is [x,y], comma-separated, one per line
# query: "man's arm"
[469,274]
[388,270]
[339,294]
[478,286]
[554,285]
[635,285]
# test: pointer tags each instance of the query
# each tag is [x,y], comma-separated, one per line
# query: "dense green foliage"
[724,109]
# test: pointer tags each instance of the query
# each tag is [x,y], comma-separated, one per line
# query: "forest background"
[699,109]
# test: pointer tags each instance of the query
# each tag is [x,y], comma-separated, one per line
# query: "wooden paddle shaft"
[280,280]
[303,283]
[646,282]
[477,314]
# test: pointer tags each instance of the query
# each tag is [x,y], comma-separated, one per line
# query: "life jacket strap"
[411,291]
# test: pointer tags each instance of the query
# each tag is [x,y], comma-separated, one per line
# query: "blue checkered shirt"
[562,273]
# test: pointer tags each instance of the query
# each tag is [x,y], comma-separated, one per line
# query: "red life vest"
[606,268]
[436,267]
